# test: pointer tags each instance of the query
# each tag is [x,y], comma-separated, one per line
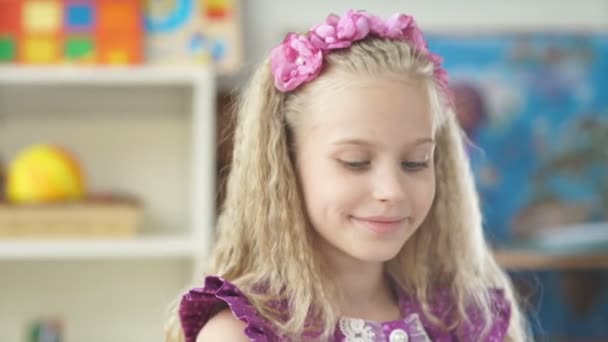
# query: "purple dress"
[196,306]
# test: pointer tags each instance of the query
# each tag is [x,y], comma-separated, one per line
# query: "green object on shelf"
[78,47]
[45,331]
[7,49]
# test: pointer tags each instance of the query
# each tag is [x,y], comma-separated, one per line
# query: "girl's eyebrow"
[361,142]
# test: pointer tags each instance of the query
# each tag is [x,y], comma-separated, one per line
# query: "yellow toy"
[44,173]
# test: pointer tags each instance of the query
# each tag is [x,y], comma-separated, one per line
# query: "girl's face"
[364,158]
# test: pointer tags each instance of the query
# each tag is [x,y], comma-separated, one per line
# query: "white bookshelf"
[147,131]
[112,75]
[147,247]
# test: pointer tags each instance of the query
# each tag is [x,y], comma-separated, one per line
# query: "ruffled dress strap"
[198,305]
[499,325]
[444,308]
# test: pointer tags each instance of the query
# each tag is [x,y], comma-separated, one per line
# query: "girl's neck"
[365,289]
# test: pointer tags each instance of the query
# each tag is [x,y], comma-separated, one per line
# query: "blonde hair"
[263,235]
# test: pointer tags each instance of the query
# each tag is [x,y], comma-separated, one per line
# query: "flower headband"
[299,58]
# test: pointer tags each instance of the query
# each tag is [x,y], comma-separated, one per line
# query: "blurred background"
[115,141]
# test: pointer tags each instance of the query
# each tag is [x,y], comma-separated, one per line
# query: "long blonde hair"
[263,236]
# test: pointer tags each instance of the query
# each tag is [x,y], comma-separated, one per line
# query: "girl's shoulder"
[442,305]
[200,304]
[223,326]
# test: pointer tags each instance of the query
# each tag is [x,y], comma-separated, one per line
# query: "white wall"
[98,300]
[266,21]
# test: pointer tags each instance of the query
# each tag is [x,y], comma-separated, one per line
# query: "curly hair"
[263,234]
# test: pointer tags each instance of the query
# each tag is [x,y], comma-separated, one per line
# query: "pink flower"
[352,26]
[441,77]
[435,58]
[440,74]
[294,62]
[414,36]
[340,32]
[324,36]
[377,25]
[299,58]
[396,26]
[403,27]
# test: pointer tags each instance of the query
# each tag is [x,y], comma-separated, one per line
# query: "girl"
[351,213]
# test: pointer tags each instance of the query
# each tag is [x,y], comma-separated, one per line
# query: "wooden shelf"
[146,247]
[530,260]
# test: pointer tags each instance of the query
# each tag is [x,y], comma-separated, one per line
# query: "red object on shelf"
[10,27]
[74,31]
[10,16]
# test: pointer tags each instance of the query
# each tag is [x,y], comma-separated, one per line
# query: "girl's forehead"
[387,111]
[338,79]
[365,99]
[342,85]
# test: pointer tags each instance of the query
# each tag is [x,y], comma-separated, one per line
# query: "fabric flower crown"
[299,58]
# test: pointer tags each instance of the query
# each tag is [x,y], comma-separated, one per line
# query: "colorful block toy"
[79,16]
[194,32]
[10,24]
[41,17]
[71,31]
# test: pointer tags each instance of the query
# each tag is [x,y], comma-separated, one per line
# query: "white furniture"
[147,131]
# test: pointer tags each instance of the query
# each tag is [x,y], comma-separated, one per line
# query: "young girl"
[351,213]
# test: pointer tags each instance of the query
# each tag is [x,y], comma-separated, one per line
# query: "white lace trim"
[356,330]
[359,330]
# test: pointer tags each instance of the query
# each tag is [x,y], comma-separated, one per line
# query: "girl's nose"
[389,185]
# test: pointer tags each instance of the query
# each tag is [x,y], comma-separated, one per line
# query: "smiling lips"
[381,224]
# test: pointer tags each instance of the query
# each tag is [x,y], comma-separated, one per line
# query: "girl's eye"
[415,166]
[356,165]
